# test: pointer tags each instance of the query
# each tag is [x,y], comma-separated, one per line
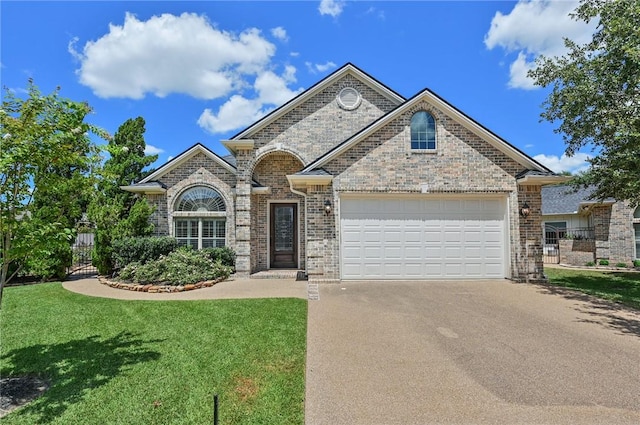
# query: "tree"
[595,97]
[41,136]
[117,213]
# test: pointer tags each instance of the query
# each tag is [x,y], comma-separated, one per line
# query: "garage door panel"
[396,238]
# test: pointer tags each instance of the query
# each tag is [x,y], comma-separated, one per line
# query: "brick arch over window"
[202,180]
[200,199]
[200,219]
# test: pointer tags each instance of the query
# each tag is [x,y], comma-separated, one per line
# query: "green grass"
[152,362]
[622,287]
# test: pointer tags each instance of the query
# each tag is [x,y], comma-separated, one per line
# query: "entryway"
[283,236]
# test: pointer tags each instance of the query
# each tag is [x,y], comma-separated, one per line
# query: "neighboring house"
[578,230]
[350,180]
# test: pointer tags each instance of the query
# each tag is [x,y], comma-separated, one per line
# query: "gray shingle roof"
[564,199]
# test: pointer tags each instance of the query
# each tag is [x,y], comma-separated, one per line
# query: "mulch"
[17,391]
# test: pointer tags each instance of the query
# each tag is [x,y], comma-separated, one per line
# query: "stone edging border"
[156,288]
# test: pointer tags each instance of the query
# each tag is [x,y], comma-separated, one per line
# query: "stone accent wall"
[577,252]
[320,123]
[271,171]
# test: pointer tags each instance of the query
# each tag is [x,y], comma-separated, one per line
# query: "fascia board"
[543,180]
[144,190]
[298,180]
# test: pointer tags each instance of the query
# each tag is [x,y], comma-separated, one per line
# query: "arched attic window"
[199,218]
[423,131]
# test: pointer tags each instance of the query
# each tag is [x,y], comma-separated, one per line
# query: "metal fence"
[553,235]
[82,248]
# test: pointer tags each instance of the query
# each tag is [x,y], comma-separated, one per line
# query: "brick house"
[578,230]
[350,180]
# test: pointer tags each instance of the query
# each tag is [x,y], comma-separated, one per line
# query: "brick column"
[243,213]
[530,262]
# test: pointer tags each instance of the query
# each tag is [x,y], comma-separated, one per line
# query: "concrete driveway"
[469,353]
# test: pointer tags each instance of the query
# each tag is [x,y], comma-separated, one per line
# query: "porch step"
[280,274]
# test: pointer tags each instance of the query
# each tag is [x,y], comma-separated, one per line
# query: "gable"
[453,116]
[348,69]
[384,161]
[321,122]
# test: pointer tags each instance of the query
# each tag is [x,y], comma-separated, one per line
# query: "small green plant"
[225,255]
[622,265]
[603,262]
[636,263]
[590,264]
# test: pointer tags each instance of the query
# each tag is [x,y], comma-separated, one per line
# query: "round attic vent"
[349,98]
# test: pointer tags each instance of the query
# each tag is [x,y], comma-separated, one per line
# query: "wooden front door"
[283,236]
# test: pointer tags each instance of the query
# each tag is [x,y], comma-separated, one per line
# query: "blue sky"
[202,71]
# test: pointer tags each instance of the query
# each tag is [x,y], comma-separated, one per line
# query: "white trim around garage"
[424,237]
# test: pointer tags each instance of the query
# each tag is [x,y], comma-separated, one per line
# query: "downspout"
[306,245]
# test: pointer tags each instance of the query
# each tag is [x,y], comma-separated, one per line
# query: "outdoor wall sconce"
[327,207]
[525,210]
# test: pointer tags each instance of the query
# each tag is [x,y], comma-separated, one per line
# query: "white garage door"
[422,238]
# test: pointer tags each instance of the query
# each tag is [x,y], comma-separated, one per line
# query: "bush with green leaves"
[604,262]
[51,263]
[225,255]
[636,263]
[142,249]
[621,265]
[590,264]
[181,267]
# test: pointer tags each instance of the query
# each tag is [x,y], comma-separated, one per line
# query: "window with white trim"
[423,131]
[199,218]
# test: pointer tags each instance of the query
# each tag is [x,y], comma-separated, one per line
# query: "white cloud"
[319,67]
[152,150]
[331,7]
[171,54]
[377,13]
[280,33]
[532,28]
[272,91]
[573,164]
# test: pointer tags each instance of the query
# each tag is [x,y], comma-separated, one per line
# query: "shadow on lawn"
[73,368]
[625,319]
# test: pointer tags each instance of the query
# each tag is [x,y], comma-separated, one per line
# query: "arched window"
[423,131]
[200,218]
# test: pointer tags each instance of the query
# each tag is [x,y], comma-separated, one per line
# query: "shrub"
[621,265]
[225,255]
[590,264]
[142,249]
[181,267]
[604,262]
[636,263]
[50,264]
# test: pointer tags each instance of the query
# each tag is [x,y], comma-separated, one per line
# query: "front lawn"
[622,287]
[154,362]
